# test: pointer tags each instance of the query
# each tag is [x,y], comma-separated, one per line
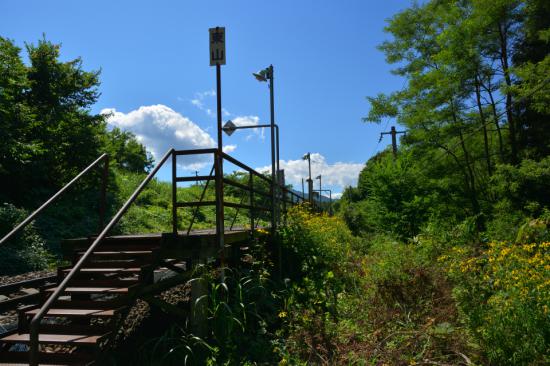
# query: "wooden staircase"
[83,321]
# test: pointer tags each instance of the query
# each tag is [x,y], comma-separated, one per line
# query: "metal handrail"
[35,322]
[31,217]
[196,211]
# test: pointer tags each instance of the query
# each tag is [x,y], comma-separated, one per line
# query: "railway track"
[23,292]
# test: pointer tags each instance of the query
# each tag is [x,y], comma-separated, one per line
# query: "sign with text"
[217,46]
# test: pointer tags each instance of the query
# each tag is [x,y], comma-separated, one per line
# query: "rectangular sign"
[217,46]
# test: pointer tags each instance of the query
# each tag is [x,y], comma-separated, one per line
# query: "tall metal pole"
[309,180]
[219,171]
[279,187]
[320,191]
[274,183]
[303,191]
[330,202]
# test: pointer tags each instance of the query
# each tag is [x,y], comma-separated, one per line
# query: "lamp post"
[263,76]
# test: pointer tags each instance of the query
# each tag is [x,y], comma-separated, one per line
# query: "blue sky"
[157,80]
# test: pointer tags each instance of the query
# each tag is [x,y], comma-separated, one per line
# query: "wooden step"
[93,290]
[124,263]
[75,312]
[119,254]
[118,270]
[89,304]
[66,339]
[105,282]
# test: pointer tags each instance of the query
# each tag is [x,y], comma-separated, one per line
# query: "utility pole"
[393,134]
[303,191]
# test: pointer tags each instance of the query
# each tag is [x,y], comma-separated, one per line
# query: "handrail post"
[218,159]
[174,196]
[35,322]
[251,187]
[31,217]
[103,194]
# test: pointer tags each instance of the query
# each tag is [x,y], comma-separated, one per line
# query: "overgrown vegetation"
[439,256]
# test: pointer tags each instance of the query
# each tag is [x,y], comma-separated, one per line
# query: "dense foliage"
[464,203]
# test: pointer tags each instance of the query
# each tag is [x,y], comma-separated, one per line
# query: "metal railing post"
[35,322]
[103,194]
[31,217]
[251,187]
[220,226]
[174,196]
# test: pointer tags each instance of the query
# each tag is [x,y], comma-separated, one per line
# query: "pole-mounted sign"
[217,58]
[217,46]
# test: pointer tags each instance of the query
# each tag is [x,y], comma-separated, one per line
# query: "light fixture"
[229,128]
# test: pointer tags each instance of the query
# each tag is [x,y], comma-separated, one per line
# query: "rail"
[285,196]
[102,206]
[35,322]
[249,187]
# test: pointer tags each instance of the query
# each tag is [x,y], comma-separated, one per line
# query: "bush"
[318,264]
[26,250]
[504,296]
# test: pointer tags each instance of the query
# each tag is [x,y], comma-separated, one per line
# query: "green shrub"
[504,296]
[26,250]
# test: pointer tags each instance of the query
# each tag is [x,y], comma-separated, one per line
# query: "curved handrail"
[35,322]
[52,199]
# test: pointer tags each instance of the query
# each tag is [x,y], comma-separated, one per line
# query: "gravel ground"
[8,320]
[6,280]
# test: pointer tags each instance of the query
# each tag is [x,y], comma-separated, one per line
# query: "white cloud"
[198,101]
[250,121]
[160,128]
[229,148]
[337,175]
[337,196]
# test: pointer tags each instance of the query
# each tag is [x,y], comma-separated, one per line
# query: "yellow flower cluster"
[514,274]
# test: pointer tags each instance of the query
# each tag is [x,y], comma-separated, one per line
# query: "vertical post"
[394,141]
[199,288]
[303,191]
[174,196]
[310,190]
[273,167]
[251,187]
[278,170]
[281,175]
[103,197]
[219,170]
[330,202]
[320,193]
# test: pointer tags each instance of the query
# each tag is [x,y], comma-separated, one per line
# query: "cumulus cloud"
[250,121]
[160,128]
[337,175]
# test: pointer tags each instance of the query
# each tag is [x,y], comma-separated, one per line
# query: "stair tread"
[111,252]
[27,364]
[75,312]
[55,338]
[106,270]
[84,289]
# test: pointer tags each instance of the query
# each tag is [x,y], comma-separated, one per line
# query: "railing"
[219,202]
[284,195]
[102,200]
